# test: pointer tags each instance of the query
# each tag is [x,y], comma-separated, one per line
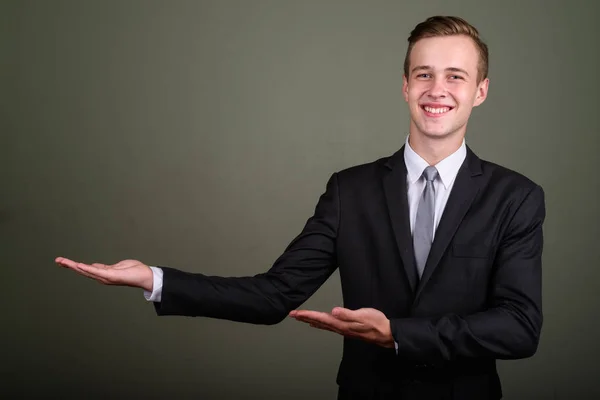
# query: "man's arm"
[266,298]
[262,299]
[511,327]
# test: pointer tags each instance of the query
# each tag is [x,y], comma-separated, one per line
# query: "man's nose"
[438,88]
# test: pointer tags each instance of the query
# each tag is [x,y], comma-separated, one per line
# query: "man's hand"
[367,324]
[125,273]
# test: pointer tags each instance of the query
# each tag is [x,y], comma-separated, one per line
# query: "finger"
[309,320]
[126,264]
[65,262]
[343,330]
[94,277]
[318,315]
[85,270]
[319,325]
[331,323]
[340,318]
[77,266]
[346,328]
[105,276]
[347,315]
[101,271]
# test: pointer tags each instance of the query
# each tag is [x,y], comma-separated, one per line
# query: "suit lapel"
[465,188]
[394,183]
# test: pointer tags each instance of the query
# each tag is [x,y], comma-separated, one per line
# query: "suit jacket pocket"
[477,250]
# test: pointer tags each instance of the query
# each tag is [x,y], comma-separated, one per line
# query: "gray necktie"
[423,229]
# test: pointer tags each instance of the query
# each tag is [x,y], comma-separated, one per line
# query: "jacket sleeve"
[510,328]
[266,298]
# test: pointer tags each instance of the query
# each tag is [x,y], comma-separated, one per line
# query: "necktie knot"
[430,173]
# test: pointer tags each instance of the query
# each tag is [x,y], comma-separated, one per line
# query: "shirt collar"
[447,168]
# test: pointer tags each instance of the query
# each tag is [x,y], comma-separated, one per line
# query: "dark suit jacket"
[479,298]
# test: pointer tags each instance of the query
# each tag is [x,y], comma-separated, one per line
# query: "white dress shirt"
[415,165]
[447,171]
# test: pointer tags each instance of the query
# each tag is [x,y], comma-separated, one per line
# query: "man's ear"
[482,91]
[405,87]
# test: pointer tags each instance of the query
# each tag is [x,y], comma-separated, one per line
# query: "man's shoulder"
[501,174]
[506,183]
[367,170]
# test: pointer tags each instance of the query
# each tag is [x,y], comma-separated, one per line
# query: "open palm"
[124,273]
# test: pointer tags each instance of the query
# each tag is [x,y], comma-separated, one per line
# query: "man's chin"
[437,134]
[441,133]
[436,131]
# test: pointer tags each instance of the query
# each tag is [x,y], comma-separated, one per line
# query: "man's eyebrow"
[419,67]
[429,67]
[454,69]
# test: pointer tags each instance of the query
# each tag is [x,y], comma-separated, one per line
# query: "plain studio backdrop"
[199,135]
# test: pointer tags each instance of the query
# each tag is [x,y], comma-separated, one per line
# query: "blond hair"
[448,26]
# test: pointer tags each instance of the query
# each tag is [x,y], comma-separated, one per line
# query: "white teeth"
[437,110]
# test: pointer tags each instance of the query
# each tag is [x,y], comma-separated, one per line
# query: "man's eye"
[423,76]
[454,77]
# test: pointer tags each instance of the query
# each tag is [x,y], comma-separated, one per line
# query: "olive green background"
[199,135]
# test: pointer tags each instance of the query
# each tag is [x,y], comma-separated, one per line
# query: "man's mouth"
[436,110]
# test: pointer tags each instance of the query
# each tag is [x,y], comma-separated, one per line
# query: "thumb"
[344,314]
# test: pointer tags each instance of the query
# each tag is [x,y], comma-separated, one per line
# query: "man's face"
[442,87]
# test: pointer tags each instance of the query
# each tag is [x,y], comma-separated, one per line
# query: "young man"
[439,251]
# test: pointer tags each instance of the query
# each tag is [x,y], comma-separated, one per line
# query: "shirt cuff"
[157,284]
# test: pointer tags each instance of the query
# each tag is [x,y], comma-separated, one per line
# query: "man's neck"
[434,150]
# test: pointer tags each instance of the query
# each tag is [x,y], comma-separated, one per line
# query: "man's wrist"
[388,338]
[148,281]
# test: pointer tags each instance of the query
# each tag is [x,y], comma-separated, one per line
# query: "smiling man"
[439,252]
